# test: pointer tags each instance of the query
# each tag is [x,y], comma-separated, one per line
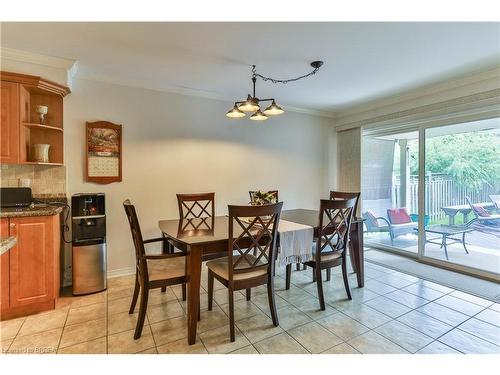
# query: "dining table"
[209,237]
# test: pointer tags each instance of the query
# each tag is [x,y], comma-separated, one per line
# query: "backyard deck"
[484,249]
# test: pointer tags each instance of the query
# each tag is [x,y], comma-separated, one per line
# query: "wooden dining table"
[202,240]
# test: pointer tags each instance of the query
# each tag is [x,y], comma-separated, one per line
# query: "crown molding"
[70,67]
[187,91]
[35,58]
[419,99]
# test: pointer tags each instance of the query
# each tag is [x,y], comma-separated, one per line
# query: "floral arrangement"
[260,198]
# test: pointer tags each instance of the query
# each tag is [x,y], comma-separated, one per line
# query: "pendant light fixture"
[252,103]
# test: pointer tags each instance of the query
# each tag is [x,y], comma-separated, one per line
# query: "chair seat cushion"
[398,215]
[221,268]
[480,211]
[405,225]
[163,269]
[326,257]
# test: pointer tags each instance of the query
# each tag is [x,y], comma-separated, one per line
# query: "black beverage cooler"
[88,224]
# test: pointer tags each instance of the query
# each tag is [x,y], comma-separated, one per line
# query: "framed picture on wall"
[103,152]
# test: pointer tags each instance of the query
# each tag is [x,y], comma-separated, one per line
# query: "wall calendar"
[103,152]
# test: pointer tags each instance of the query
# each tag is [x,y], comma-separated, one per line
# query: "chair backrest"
[196,205]
[477,209]
[252,228]
[203,226]
[135,229]
[273,193]
[496,200]
[336,195]
[335,217]
[371,220]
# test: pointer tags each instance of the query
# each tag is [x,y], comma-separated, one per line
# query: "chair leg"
[249,294]
[183,287]
[314,274]
[163,289]
[328,274]
[210,289]
[231,314]
[288,276]
[142,313]
[297,266]
[346,279]
[272,301]
[135,295]
[319,284]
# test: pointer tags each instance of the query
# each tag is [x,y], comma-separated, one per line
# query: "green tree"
[473,159]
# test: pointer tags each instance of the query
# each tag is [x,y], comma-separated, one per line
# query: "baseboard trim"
[121,272]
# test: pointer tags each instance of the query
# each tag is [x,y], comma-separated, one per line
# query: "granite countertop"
[7,243]
[36,210]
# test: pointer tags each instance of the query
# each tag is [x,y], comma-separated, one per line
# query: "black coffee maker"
[88,224]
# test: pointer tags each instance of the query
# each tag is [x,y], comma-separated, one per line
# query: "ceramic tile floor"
[394,313]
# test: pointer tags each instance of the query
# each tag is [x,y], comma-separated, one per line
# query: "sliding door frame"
[421,128]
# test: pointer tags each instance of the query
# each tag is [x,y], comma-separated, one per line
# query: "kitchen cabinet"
[9,122]
[21,126]
[4,267]
[33,266]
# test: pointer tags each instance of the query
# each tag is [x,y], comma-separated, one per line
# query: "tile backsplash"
[44,180]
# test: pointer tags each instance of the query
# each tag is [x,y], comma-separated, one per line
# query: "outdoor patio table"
[464,209]
[447,235]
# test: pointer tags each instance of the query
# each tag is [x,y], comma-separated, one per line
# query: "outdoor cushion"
[411,224]
[370,216]
[398,215]
[478,209]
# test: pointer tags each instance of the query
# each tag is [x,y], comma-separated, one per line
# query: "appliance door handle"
[13,229]
[88,217]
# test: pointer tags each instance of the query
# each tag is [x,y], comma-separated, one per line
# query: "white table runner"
[296,241]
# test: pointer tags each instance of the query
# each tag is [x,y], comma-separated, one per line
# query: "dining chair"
[330,247]
[197,212]
[151,271]
[250,227]
[335,195]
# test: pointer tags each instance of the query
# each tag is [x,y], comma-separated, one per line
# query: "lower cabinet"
[33,266]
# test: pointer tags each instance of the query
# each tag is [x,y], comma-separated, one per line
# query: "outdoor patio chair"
[399,223]
[482,216]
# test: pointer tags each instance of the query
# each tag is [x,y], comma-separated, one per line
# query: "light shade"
[273,109]
[249,105]
[258,116]
[235,113]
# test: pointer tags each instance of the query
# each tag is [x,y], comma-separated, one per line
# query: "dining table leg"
[193,298]
[357,253]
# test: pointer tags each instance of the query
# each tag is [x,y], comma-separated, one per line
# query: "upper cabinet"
[31,119]
[9,123]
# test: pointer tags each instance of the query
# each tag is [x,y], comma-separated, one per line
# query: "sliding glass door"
[389,191]
[462,194]
[434,193]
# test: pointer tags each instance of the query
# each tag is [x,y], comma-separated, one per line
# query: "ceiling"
[363,61]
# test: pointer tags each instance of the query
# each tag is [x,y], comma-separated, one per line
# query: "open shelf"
[39,163]
[40,126]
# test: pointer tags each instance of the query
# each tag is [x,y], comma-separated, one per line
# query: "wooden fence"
[440,191]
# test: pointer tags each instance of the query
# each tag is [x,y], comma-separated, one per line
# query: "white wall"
[174,143]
